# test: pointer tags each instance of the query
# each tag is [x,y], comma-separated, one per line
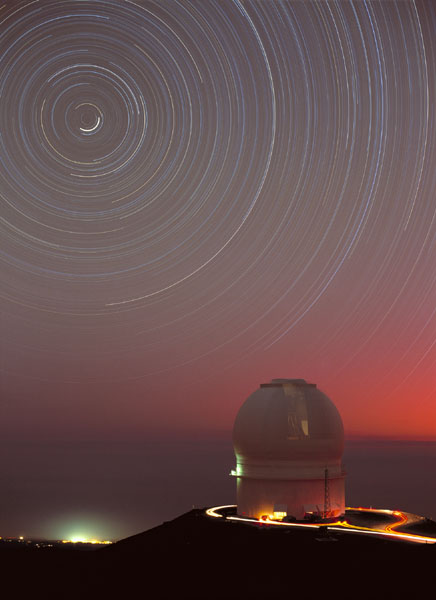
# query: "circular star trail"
[126,148]
[188,185]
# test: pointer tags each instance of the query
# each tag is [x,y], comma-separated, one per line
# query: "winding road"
[389,529]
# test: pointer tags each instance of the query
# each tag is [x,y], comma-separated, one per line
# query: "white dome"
[288,422]
[288,439]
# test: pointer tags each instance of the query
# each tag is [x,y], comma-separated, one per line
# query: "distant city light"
[78,539]
[81,528]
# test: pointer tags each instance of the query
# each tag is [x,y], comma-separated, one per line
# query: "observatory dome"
[288,439]
[289,420]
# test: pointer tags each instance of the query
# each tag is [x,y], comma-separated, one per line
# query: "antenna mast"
[327,508]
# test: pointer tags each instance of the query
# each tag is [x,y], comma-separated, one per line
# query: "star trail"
[198,195]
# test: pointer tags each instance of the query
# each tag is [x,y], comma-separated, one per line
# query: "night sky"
[200,196]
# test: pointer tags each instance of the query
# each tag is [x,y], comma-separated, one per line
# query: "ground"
[196,556]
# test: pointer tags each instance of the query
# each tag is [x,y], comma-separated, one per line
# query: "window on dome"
[298,423]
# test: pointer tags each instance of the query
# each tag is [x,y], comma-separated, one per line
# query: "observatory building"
[288,439]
